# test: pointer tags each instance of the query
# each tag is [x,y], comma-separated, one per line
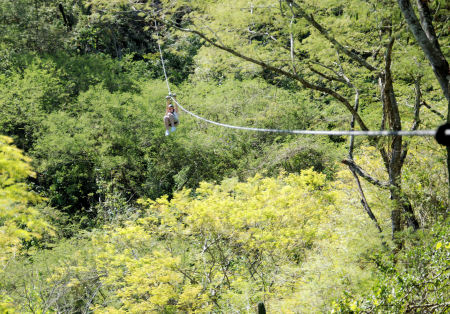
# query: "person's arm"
[168,101]
[175,104]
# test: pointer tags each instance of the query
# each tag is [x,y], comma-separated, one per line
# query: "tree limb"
[417,104]
[354,167]
[331,39]
[298,78]
[426,20]
[291,39]
[440,115]
[364,202]
[432,51]
[327,77]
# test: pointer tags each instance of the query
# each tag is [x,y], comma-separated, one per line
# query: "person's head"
[170,107]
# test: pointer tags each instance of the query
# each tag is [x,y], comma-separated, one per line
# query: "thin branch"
[364,202]
[417,104]
[291,38]
[384,116]
[215,34]
[298,78]
[416,121]
[327,77]
[185,273]
[331,39]
[440,115]
[436,305]
[262,34]
[353,166]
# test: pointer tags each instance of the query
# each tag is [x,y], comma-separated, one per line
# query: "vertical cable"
[162,59]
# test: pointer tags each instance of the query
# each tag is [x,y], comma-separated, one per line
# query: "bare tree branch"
[298,78]
[343,78]
[364,202]
[331,39]
[440,115]
[352,165]
[417,104]
[416,121]
[327,77]
[262,34]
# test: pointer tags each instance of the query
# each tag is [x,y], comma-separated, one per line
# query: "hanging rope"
[162,59]
[446,132]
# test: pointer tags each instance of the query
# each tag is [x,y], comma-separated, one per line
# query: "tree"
[224,247]
[32,25]
[342,54]
[425,35]
[358,57]
[416,281]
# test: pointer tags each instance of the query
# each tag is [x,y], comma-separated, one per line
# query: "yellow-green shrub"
[224,246]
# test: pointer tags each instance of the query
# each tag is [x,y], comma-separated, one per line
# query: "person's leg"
[171,119]
[167,123]
[175,123]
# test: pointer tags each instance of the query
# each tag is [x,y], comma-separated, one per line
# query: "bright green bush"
[415,280]
[227,246]
[20,218]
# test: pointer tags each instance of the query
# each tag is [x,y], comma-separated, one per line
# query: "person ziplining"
[171,119]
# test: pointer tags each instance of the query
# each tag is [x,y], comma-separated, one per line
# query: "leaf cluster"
[416,280]
[20,217]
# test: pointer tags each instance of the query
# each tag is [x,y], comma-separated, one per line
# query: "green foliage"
[222,247]
[296,242]
[416,280]
[219,248]
[83,97]
[76,156]
[126,147]
[32,287]
[86,71]
[41,86]
[6,305]
[426,188]
[27,96]
[32,25]
[20,219]
[254,103]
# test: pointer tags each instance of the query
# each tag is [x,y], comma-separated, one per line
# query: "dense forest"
[101,212]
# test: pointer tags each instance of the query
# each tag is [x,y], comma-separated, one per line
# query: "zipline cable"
[162,59]
[313,132]
[446,132]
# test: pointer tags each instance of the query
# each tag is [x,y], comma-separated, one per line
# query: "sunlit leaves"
[206,246]
[417,280]
[19,218]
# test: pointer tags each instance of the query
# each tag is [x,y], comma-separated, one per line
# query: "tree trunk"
[425,36]
[394,161]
